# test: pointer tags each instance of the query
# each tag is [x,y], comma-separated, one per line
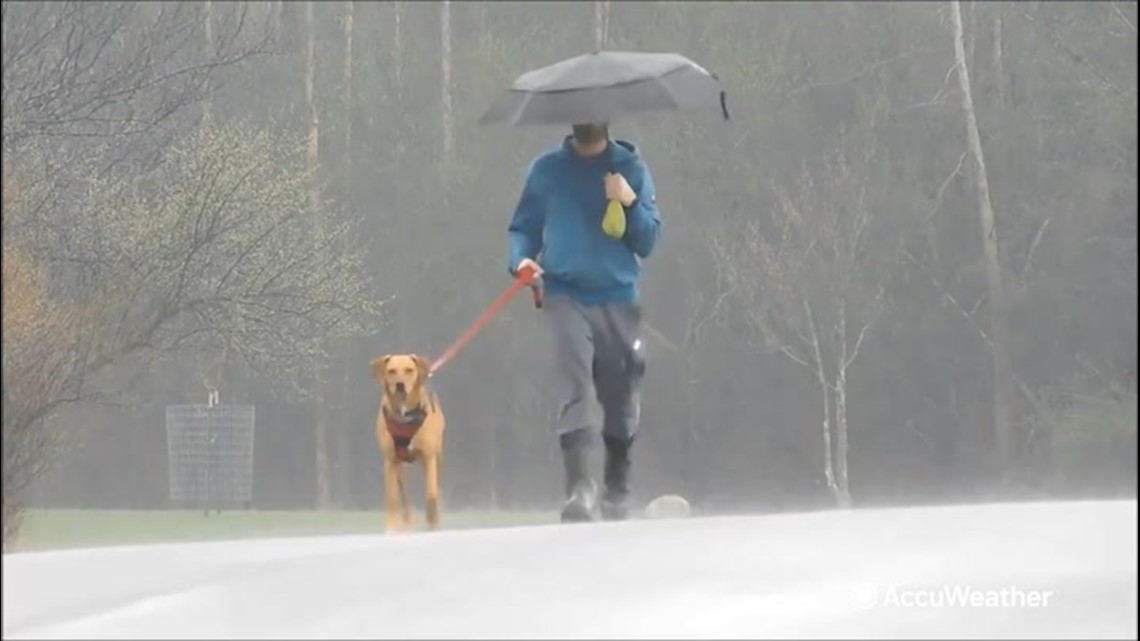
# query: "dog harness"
[403,428]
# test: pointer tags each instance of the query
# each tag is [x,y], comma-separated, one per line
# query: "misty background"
[259,198]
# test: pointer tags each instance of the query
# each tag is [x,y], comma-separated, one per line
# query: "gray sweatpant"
[599,360]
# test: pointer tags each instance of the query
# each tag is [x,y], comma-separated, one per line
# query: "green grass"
[59,529]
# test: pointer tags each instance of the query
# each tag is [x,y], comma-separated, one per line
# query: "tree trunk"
[320,435]
[999,65]
[310,100]
[825,390]
[11,515]
[208,30]
[214,384]
[342,436]
[445,75]
[828,459]
[493,463]
[601,23]
[969,32]
[344,432]
[481,25]
[350,6]
[275,18]
[1002,368]
[398,48]
[843,487]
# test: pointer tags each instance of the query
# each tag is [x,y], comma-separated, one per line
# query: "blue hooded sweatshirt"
[558,223]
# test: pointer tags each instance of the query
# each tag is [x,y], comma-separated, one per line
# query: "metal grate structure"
[211,455]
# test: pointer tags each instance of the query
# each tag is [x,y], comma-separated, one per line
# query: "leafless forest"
[904,271]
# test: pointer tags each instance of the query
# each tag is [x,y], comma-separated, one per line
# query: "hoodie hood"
[618,153]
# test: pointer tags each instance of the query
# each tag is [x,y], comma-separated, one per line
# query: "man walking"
[590,276]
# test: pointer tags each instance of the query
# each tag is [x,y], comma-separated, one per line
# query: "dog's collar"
[402,428]
[413,417]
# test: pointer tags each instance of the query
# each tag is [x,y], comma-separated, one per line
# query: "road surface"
[1033,570]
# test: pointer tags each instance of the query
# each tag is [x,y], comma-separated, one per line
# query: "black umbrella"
[603,86]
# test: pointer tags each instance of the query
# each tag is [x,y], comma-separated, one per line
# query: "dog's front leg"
[431,485]
[391,496]
[405,505]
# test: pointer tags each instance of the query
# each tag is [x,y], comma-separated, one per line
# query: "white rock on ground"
[668,506]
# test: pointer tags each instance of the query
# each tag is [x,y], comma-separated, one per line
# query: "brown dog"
[409,429]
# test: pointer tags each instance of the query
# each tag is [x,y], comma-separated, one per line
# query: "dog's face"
[400,375]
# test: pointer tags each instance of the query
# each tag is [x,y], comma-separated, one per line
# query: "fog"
[256,199]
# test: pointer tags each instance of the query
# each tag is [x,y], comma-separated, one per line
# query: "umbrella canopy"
[603,86]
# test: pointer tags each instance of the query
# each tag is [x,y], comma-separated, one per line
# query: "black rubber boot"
[616,500]
[581,493]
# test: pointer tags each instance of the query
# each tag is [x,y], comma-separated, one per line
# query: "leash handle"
[524,278]
[536,294]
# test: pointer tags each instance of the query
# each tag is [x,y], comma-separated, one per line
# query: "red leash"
[525,278]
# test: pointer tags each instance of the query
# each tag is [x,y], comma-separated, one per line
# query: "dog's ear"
[379,366]
[423,367]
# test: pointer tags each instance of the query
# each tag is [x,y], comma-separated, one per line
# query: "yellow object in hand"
[613,223]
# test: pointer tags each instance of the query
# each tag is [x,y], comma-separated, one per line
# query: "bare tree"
[274,9]
[1004,388]
[93,95]
[398,8]
[321,383]
[216,247]
[314,122]
[346,80]
[208,33]
[105,69]
[704,304]
[601,23]
[448,118]
[211,361]
[36,335]
[811,287]
[343,437]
